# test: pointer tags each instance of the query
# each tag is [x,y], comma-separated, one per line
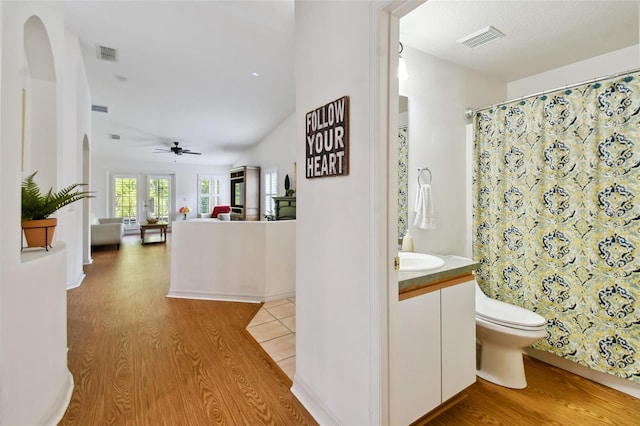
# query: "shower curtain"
[403,182]
[556,184]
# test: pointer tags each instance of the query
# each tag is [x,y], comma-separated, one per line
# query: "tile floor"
[274,328]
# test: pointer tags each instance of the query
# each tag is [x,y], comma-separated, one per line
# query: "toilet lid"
[508,315]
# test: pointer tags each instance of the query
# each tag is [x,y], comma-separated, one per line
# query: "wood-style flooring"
[140,358]
[552,397]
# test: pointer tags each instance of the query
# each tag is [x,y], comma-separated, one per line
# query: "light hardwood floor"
[140,358]
[552,397]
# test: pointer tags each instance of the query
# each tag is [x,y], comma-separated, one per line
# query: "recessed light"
[255,74]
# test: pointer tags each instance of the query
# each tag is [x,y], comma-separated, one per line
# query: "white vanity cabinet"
[416,370]
[432,358]
[458,329]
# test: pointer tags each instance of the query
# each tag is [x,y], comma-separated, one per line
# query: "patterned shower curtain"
[403,182]
[557,217]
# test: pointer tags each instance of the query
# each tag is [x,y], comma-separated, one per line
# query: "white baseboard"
[309,401]
[77,283]
[61,405]
[221,297]
[614,382]
[88,261]
[279,295]
[231,297]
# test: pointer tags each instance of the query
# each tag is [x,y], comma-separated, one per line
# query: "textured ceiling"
[540,35]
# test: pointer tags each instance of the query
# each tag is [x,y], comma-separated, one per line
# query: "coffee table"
[161,226]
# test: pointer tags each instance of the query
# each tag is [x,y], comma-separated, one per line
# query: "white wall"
[76,124]
[186,180]
[439,92]
[337,354]
[245,261]
[598,66]
[276,151]
[35,383]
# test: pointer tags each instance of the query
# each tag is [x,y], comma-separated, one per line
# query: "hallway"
[140,358]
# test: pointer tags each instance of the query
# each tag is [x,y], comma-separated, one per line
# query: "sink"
[410,262]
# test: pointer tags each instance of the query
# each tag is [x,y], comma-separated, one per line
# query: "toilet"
[503,331]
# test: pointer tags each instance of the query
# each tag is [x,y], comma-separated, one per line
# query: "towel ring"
[424,169]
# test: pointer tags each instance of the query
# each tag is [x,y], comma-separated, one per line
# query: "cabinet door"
[458,306]
[416,375]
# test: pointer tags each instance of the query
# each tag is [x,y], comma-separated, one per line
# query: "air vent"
[107,53]
[114,137]
[482,37]
[99,108]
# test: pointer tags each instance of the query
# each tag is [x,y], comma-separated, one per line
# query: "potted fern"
[38,227]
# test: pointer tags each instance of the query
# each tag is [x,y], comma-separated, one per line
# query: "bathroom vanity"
[432,340]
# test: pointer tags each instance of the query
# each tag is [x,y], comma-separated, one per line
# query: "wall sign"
[327,139]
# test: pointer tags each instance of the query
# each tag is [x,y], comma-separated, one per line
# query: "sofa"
[107,231]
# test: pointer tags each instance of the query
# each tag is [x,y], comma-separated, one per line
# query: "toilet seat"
[508,315]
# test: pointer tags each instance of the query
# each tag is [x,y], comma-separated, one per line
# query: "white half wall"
[251,261]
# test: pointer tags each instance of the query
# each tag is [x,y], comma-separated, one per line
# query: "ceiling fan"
[176,149]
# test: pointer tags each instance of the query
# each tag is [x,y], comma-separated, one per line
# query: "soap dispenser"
[407,242]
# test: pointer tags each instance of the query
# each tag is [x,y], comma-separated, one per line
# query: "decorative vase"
[39,233]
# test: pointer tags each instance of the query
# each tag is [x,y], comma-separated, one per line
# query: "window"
[270,191]
[209,193]
[126,199]
[158,194]
[139,196]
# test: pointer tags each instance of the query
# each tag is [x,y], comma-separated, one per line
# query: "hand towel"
[425,215]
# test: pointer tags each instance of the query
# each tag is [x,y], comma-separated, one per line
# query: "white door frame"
[384,166]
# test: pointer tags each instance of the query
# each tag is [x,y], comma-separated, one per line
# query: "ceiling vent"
[107,53]
[114,137]
[482,37]
[99,108]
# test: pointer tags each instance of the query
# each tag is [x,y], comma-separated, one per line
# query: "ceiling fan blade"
[176,149]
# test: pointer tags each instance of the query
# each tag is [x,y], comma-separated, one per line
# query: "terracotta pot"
[39,233]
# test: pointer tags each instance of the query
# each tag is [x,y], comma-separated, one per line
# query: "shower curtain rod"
[470,112]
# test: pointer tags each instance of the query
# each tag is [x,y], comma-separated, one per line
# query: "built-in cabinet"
[434,357]
[245,193]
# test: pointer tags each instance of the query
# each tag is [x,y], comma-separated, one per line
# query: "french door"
[158,192]
[139,196]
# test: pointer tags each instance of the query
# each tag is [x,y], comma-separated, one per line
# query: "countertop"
[454,266]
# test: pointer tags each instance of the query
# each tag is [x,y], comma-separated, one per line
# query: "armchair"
[107,231]
[220,209]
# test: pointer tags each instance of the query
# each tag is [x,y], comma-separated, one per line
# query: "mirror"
[403,167]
